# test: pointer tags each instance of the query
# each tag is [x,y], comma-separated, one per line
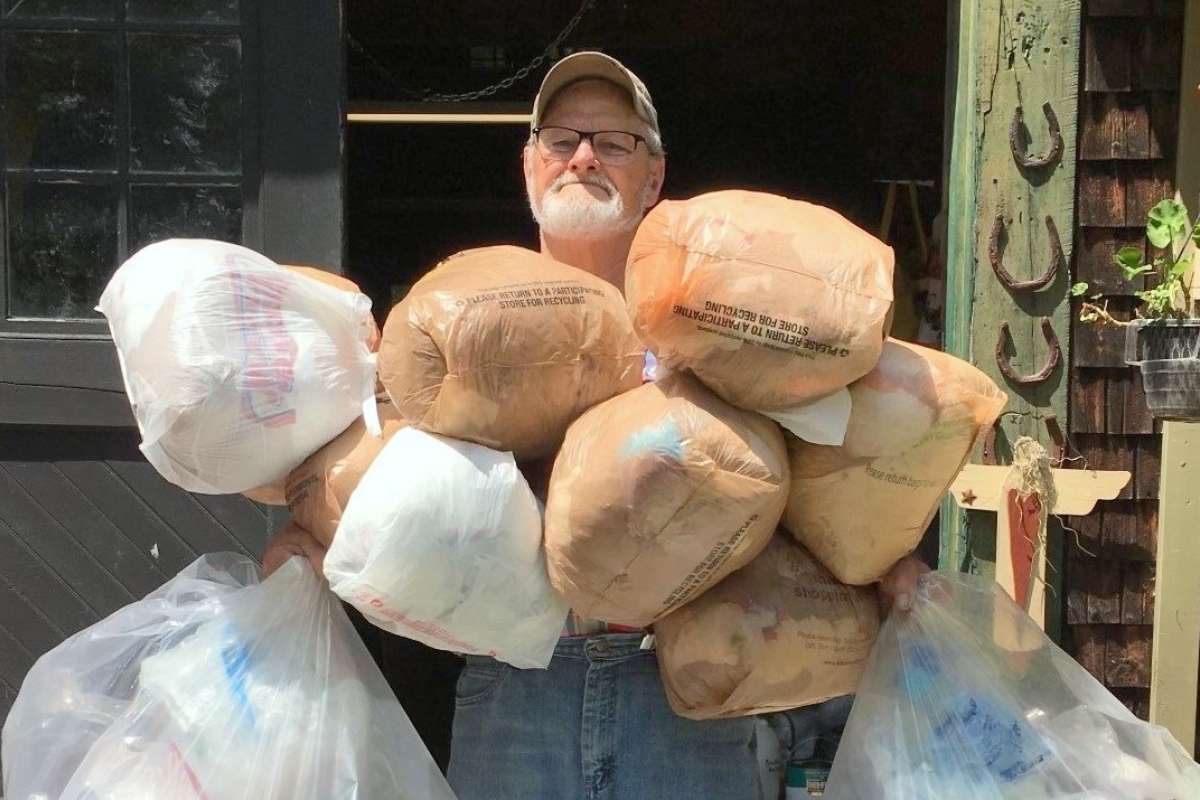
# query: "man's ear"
[527,162]
[658,171]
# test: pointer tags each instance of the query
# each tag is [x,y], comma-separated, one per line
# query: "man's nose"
[584,158]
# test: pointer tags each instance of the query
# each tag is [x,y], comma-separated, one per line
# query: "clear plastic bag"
[965,697]
[237,369]
[216,687]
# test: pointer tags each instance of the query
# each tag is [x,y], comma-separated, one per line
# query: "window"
[122,125]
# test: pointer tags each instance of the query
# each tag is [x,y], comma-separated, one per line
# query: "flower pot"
[1168,352]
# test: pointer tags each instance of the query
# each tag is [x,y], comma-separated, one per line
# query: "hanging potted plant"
[1164,338]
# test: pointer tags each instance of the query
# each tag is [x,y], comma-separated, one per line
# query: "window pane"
[185,103]
[58,9]
[62,246]
[183,10]
[165,212]
[61,99]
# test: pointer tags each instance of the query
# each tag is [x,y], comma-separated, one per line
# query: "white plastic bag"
[966,697]
[442,542]
[216,687]
[237,369]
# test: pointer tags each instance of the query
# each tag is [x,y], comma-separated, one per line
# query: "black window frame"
[65,372]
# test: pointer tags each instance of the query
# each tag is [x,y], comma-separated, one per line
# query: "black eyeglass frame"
[587,136]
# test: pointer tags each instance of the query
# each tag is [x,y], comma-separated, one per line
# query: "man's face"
[580,197]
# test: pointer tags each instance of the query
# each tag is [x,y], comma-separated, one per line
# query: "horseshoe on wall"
[1047,369]
[1057,258]
[1056,140]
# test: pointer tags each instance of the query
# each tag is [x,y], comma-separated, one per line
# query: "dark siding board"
[1146,183]
[1128,657]
[1101,346]
[1138,419]
[1101,187]
[1114,402]
[1101,451]
[15,661]
[57,547]
[50,405]
[1076,579]
[180,510]
[1095,263]
[1083,534]
[1148,474]
[114,550]
[1107,55]
[1137,589]
[1121,536]
[1169,9]
[1104,593]
[245,522]
[1087,401]
[1115,126]
[1159,54]
[22,620]
[31,577]
[132,514]
[1089,648]
[1164,124]
[1102,128]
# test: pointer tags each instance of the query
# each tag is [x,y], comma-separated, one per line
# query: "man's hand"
[293,541]
[899,586]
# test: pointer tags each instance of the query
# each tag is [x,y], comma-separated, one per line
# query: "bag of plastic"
[658,494]
[779,633]
[861,506]
[442,543]
[216,687]
[236,368]
[505,347]
[771,302]
[947,708]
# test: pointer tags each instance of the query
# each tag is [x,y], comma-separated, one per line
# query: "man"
[595,724]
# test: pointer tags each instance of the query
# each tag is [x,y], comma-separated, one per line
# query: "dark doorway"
[819,101]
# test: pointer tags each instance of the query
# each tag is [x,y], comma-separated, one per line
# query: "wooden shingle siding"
[1128,134]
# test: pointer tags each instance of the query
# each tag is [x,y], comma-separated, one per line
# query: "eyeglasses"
[611,147]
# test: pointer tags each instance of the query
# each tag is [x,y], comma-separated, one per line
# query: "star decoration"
[969,497]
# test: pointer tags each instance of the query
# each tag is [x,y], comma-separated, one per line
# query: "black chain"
[487,91]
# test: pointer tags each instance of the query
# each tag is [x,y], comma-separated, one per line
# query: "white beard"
[581,216]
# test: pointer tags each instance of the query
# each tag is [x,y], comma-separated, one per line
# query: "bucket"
[1168,353]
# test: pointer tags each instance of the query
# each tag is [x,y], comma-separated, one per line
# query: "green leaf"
[1079,289]
[1129,258]
[1179,269]
[1167,221]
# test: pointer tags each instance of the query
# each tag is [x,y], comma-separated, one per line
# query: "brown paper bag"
[771,302]
[779,633]
[505,347]
[862,506]
[656,495]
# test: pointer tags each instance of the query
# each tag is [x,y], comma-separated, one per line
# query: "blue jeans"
[595,725]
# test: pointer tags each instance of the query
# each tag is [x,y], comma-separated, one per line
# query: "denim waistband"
[602,647]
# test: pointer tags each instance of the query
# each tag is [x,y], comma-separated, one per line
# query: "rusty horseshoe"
[1056,140]
[1057,258]
[1047,369]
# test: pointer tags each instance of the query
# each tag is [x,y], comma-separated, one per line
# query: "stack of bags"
[741,504]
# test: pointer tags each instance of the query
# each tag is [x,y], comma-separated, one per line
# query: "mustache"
[568,178]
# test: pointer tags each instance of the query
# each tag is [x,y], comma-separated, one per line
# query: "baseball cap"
[593,64]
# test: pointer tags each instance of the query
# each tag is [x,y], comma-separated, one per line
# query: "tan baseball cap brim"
[592,64]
